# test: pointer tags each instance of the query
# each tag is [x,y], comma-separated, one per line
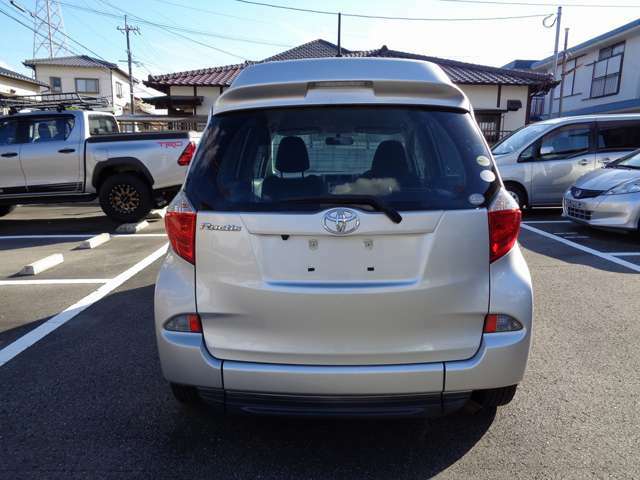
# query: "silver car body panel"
[339,81]
[425,301]
[605,211]
[287,307]
[546,181]
[499,361]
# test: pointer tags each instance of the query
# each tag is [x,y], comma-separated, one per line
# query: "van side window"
[8,132]
[565,142]
[50,129]
[619,136]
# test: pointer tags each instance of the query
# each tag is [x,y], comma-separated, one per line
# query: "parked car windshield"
[519,139]
[630,161]
[409,158]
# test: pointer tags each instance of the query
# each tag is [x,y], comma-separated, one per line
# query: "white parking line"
[624,254]
[24,342]
[56,281]
[577,246]
[85,235]
[533,222]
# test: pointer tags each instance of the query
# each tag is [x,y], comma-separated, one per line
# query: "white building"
[13,84]
[86,76]
[500,97]
[602,75]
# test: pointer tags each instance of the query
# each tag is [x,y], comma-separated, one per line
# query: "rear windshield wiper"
[620,165]
[371,201]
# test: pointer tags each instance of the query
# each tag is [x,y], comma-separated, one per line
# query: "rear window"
[102,125]
[410,158]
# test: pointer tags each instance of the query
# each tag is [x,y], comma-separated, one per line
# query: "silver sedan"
[608,197]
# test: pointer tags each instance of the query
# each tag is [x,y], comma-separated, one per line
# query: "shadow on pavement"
[90,400]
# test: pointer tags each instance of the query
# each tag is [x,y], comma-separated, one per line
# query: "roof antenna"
[339,28]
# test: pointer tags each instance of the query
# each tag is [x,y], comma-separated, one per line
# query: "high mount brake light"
[180,222]
[187,154]
[504,225]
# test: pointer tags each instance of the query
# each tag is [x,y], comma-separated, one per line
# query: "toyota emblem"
[341,221]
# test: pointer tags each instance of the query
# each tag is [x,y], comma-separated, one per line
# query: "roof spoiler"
[342,92]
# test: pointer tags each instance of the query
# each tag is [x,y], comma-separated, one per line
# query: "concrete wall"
[629,85]
[106,77]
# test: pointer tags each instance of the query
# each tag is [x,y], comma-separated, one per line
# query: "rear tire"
[185,394]
[125,197]
[6,209]
[517,193]
[494,397]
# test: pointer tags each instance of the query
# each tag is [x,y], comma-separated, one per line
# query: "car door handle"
[584,161]
[67,150]
[9,154]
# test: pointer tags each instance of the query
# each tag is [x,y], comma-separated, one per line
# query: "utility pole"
[339,31]
[126,29]
[555,58]
[564,70]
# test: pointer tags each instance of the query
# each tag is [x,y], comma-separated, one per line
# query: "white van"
[343,245]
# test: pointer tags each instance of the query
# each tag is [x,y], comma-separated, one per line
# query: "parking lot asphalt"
[88,399]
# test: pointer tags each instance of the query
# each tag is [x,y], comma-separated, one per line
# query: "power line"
[540,4]
[177,27]
[211,12]
[383,17]
[35,31]
[34,15]
[180,35]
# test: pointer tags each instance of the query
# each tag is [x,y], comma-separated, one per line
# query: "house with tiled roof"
[85,75]
[14,83]
[500,96]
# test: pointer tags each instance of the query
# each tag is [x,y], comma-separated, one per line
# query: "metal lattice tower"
[48,38]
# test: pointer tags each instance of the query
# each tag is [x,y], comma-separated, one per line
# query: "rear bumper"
[390,390]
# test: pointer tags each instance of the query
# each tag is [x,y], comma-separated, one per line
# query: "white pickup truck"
[78,155]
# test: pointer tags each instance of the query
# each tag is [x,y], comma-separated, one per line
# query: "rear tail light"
[187,154]
[504,225]
[180,222]
[184,323]
[497,322]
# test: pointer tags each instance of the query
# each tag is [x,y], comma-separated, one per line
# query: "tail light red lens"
[504,225]
[180,223]
[497,322]
[187,154]
[189,323]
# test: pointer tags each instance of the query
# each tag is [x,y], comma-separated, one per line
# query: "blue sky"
[485,42]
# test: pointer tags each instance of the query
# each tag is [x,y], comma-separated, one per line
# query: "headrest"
[292,155]
[390,160]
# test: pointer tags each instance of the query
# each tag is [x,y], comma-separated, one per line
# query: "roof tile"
[458,72]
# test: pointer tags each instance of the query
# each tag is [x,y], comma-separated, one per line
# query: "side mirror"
[546,150]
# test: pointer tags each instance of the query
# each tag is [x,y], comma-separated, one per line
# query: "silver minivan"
[343,245]
[541,161]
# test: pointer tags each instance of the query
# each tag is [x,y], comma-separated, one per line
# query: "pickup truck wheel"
[125,197]
[6,209]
